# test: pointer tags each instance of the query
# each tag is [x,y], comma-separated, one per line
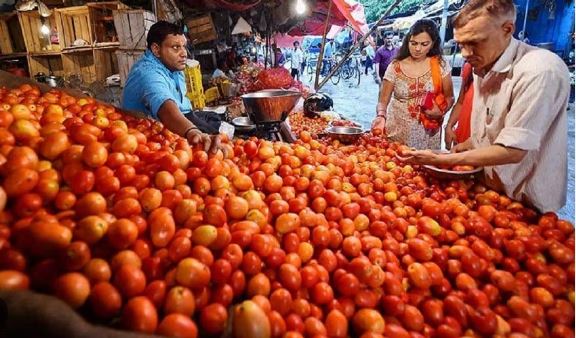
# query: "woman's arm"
[448,90]
[381,109]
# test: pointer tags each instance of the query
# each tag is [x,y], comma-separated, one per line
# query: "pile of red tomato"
[121,218]
[301,123]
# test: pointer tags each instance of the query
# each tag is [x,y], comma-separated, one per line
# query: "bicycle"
[351,69]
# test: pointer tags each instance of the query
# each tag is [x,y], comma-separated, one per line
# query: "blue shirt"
[150,84]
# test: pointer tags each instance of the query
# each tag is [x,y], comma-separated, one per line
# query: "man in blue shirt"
[155,84]
[328,56]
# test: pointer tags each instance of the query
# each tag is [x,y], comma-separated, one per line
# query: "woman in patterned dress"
[406,82]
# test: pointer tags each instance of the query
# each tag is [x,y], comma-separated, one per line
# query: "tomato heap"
[300,122]
[121,218]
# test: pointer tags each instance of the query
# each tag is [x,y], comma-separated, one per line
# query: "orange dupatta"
[432,124]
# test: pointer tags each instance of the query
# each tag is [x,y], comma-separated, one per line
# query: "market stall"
[301,225]
[125,223]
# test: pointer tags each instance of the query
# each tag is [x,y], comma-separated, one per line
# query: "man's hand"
[449,137]
[421,157]
[211,143]
[379,123]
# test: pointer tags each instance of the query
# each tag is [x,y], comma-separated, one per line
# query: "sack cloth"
[207,121]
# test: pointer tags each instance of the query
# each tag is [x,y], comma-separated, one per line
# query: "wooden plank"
[106,63]
[5,43]
[138,30]
[132,27]
[126,60]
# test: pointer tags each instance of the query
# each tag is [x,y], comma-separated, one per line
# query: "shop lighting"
[301,7]
[44,29]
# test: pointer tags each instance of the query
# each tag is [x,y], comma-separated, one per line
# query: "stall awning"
[344,12]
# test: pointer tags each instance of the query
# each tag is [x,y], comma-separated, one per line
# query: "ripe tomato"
[178,325]
[105,300]
[213,318]
[191,273]
[180,300]
[130,280]
[13,280]
[140,315]
[73,288]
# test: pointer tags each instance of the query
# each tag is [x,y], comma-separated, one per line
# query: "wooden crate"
[80,62]
[102,22]
[126,59]
[201,29]
[45,63]
[36,42]
[73,24]
[132,26]
[106,63]
[11,39]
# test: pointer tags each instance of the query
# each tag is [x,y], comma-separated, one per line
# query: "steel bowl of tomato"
[454,172]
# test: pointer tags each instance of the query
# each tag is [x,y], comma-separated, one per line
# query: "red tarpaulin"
[343,12]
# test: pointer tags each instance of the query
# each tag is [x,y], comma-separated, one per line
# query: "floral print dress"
[402,118]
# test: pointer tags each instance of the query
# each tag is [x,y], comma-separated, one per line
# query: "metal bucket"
[270,105]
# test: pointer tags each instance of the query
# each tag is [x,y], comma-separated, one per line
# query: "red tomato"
[140,315]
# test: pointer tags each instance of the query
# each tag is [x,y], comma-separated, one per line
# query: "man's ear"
[155,48]
[509,28]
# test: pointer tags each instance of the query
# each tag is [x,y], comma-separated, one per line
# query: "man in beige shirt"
[519,118]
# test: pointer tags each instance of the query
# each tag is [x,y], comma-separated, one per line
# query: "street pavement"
[358,103]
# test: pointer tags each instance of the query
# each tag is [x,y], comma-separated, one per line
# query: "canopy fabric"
[343,12]
[333,32]
[286,41]
[241,27]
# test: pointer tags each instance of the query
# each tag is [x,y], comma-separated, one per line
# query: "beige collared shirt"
[521,103]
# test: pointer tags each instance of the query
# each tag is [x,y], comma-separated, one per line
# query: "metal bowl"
[345,134]
[447,174]
[270,105]
[243,124]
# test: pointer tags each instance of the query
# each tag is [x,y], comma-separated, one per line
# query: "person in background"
[458,128]
[297,59]
[279,58]
[363,58]
[156,86]
[384,55]
[418,71]
[328,58]
[519,132]
[223,70]
[369,50]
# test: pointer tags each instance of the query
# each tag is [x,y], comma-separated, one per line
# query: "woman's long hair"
[421,26]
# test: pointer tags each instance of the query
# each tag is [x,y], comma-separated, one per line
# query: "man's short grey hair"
[494,8]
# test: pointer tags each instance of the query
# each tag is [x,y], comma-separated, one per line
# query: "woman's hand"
[450,137]
[461,147]
[435,113]
[379,123]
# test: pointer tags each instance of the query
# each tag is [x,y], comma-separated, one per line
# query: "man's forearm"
[173,119]
[487,156]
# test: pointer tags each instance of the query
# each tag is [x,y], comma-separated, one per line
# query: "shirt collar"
[505,61]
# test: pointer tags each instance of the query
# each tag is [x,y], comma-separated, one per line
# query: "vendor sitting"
[222,71]
[155,84]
